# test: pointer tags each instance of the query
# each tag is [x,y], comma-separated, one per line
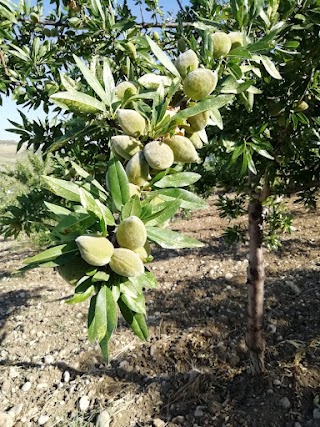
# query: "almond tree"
[138,108]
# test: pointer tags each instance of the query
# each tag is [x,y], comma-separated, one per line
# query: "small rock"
[5,420]
[157,422]
[285,403]
[316,414]
[26,386]
[49,359]
[198,412]
[271,328]
[84,403]
[178,420]
[15,410]
[103,419]
[228,276]
[296,424]
[43,419]
[214,407]
[276,382]
[66,376]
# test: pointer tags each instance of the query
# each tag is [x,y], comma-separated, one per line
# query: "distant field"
[8,153]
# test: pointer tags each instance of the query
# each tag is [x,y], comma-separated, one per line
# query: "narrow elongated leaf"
[118,183]
[92,80]
[82,293]
[180,179]
[270,67]
[204,105]
[132,207]
[135,304]
[112,318]
[108,81]
[162,57]
[171,239]
[78,102]
[216,118]
[80,171]
[89,203]
[159,218]
[136,321]
[57,210]
[65,189]
[187,199]
[52,253]
[145,280]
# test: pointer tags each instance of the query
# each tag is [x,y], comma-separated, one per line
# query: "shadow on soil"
[11,302]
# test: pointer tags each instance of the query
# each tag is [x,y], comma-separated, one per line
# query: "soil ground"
[193,371]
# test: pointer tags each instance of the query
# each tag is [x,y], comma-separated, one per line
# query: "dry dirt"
[194,369]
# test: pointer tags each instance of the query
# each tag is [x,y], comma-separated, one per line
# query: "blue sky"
[9,107]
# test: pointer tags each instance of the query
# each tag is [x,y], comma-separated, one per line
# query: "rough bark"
[255,281]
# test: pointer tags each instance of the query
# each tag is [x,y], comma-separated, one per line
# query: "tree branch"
[180,5]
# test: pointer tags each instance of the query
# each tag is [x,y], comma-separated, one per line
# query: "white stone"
[276,382]
[228,276]
[103,419]
[43,419]
[285,403]
[48,359]
[157,422]
[5,420]
[66,376]
[26,386]
[15,410]
[272,328]
[84,403]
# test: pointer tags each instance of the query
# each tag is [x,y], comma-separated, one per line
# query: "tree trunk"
[255,281]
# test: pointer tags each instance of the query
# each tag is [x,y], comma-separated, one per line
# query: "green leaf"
[78,102]
[52,253]
[92,80]
[98,315]
[108,81]
[216,118]
[160,217]
[171,239]
[162,57]
[180,179]
[187,199]
[75,221]
[145,280]
[101,276]
[56,209]
[204,105]
[270,67]
[112,317]
[80,171]
[135,304]
[130,289]
[136,321]
[81,293]
[132,207]
[118,183]
[65,189]
[89,203]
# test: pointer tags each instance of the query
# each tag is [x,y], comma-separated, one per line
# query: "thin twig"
[180,5]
